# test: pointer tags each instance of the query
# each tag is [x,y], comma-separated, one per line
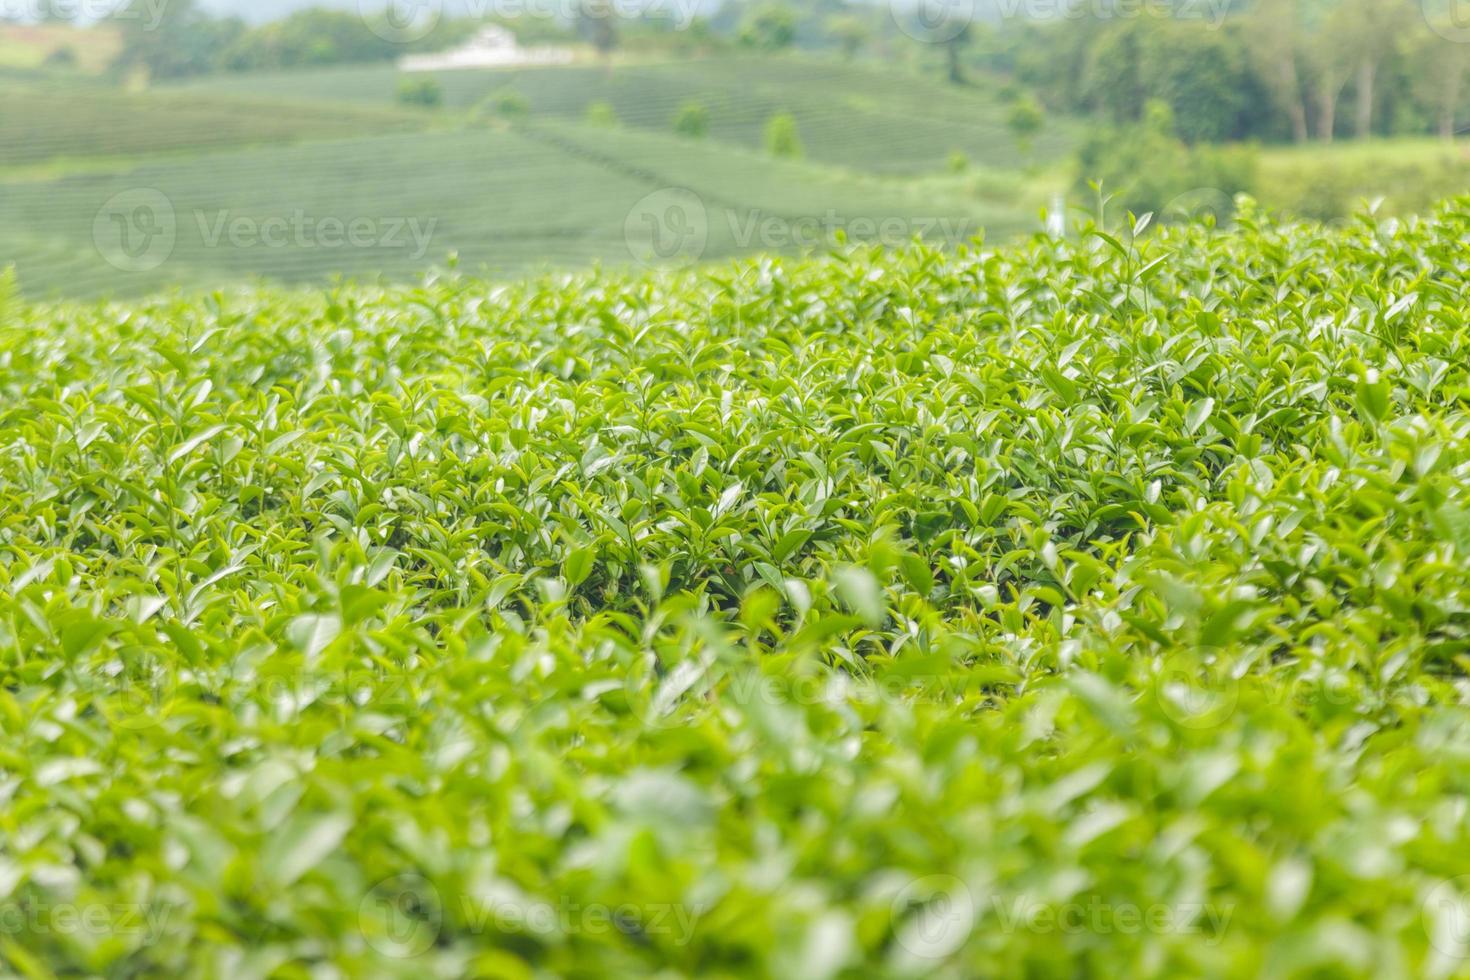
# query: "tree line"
[1228,70]
[1269,70]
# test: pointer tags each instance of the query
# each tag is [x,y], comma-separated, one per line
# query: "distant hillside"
[511,202]
[862,118]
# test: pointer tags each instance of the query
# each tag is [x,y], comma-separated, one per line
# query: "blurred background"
[195,143]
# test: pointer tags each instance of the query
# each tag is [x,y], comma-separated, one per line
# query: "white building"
[492,47]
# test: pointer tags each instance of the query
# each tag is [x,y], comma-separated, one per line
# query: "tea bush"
[1091,608]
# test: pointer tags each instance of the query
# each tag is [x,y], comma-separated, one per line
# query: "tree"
[183,40]
[1336,51]
[959,35]
[1147,166]
[308,37]
[595,21]
[1371,30]
[1277,41]
[1439,67]
[769,27]
[851,33]
[1203,75]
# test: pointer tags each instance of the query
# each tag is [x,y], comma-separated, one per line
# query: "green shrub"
[423,92]
[602,114]
[1328,184]
[783,137]
[692,121]
[1026,119]
[1149,170]
[511,104]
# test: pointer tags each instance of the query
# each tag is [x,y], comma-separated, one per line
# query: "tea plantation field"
[1095,607]
[40,124]
[868,119]
[537,197]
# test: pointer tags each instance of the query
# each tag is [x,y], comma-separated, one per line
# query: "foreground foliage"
[1094,608]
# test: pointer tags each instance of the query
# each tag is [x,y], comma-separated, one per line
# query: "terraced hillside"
[41,122]
[506,201]
[856,117]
